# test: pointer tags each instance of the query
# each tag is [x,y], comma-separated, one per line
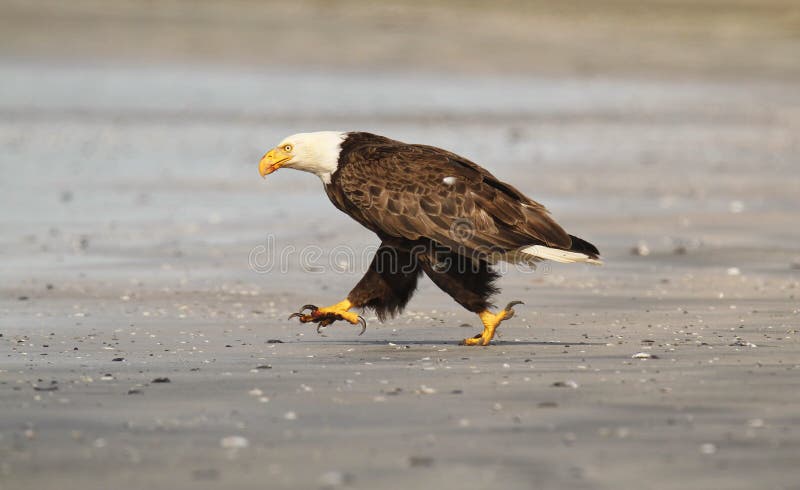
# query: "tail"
[579,251]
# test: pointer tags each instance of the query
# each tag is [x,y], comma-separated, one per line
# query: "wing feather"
[414,191]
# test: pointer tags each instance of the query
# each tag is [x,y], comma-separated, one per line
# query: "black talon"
[300,314]
[513,304]
[510,309]
[324,319]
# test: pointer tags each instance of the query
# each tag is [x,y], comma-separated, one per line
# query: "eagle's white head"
[317,153]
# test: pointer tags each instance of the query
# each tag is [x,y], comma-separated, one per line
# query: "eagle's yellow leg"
[342,309]
[490,323]
[329,314]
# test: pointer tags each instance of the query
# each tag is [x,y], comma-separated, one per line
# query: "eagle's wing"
[413,191]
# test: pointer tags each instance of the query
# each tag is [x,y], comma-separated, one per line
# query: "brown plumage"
[407,191]
[436,213]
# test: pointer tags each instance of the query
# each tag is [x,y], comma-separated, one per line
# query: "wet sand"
[137,243]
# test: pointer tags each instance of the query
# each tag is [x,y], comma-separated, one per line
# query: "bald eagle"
[435,212]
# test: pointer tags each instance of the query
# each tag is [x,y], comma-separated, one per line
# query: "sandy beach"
[147,271]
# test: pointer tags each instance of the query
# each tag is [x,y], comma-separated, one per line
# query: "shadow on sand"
[400,343]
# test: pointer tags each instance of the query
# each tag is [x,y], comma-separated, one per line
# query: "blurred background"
[667,132]
[717,38]
[131,129]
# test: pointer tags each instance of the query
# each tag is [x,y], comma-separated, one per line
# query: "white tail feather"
[556,255]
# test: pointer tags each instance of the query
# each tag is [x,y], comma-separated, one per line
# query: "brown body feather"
[408,191]
[419,198]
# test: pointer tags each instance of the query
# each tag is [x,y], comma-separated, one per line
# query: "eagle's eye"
[287,148]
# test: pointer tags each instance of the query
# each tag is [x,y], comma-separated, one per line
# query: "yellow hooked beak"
[272,161]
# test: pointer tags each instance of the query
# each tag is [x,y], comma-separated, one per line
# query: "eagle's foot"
[490,323]
[329,314]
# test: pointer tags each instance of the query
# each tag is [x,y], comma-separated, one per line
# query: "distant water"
[104,145]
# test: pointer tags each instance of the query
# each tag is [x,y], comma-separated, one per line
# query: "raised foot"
[490,323]
[329,314]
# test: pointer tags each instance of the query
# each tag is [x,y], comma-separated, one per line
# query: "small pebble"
[46,388]
[641,249]
[234,442]
[420,461]
[742,343]
[708,448]
[333,479]
[565,384]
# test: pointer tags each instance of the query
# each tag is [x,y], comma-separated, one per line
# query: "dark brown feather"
[408,191]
